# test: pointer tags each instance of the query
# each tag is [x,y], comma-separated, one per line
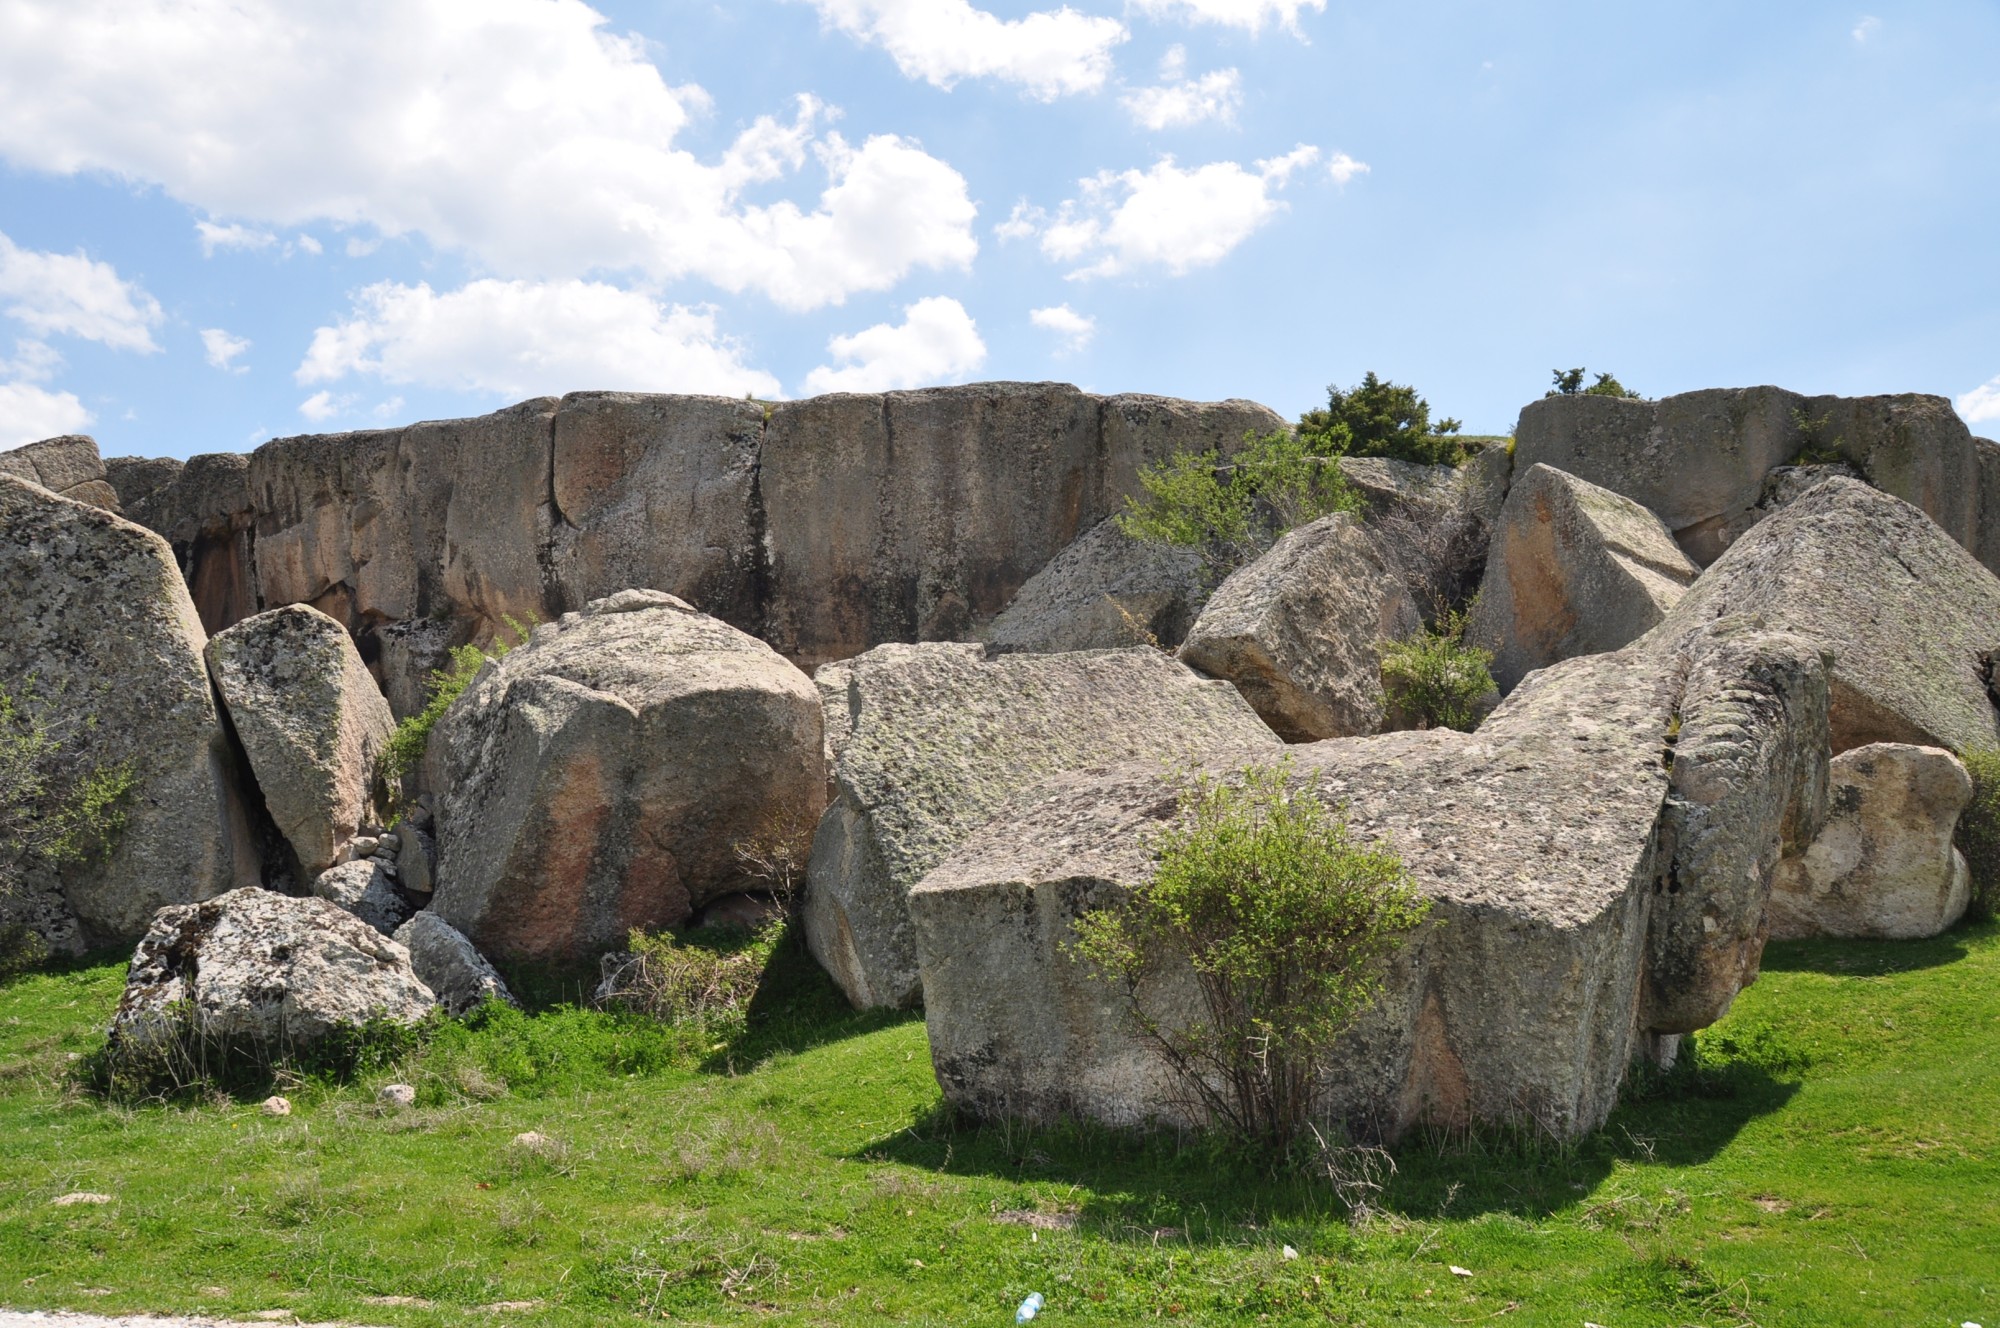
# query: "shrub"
[405,749]
[1978,834]
[1286,922]
[1377,418]
[706,977]
[1569,383]
[1434,680]
[1235,508]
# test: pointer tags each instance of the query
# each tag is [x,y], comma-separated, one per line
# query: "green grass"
[1831,1160]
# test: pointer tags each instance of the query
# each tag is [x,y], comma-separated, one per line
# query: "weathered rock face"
[598,777]
[68,466]
[1105,592]
[1386,484]
[203,511]
[311,723]
[445,962]
[1908,614]
[928,741]
[1299,630]
[261,972]
[94,605]
[1883,867]
[1540,840]
[132,478]
[1573,569]
[1699,459]
[362,888]
[1986,548]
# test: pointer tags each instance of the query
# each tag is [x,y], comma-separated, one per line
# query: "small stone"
[1289,1252]
[397,1095]
[532,1140]
[80,1197]
[277,1106]
[362,846]
[1456,1271]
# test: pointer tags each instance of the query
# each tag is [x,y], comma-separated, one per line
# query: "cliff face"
[823,526]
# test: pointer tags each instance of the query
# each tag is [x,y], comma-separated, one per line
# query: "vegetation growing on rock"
[1433,680]
[405,750]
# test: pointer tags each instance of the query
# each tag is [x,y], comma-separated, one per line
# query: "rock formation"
[363,888]
[600,777]
[928,741]
[68,466]
[1105,591]
[445,961]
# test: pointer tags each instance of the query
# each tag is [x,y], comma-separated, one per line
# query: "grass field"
[1835,1160]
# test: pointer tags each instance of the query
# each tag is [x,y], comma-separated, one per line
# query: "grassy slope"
[1835,1164]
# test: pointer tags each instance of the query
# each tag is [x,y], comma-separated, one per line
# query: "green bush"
[405,750]
[1377,418]
[1569,383]
[1237,507]
[1978,834]
[1286,922]
[1433,680]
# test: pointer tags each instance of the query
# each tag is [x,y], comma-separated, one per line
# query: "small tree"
[1569,383]
[1235,508]
[1433,680]
[1378,418]
[1286,922]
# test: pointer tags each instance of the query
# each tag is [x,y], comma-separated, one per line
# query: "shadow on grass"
[1871,958]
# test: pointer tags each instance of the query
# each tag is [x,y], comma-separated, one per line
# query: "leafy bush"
[1569,383]
[706,977]
[1377,418]
[1236,508]
[405,749]
[1978,834]
[1286,922]
[1434,680]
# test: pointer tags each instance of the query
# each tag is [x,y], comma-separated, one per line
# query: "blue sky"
[226,221]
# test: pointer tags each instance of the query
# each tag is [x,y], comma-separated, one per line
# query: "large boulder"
[600,777]
[311,721]
[203,510]
[1699,459]
[1883,867]
[1573,569]
[133,478]
[363,888]
[1545,842]
[445,962]
[1104,592]
[68,466]
[1299,630]
[1909,616]
[94,618]
[928,741]
[258,974]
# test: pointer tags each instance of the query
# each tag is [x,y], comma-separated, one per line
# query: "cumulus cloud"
[1073,330]
[222,349]
[1177,100]
[1344,168]
[1248,14]
[29,414]
[523,338]
[73,295]
[1165,217]
[937,342]
[323,406]
[517,131]
[1982,404]
[232,236]
[1049,54]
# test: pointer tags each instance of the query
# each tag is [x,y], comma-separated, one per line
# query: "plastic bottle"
[1029,1307]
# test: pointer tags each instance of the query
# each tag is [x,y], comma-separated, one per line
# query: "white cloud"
[223,348]
[936,343]
[1866,28]
[1250,14]
[1982,403]
[522,338]
[1178,100]
[1344,168]
[323,406]
[1074,329]
[232,236]
[33,362]
[74,295]
[360,248]
[309,244]
[1164,217]
[518,131]
[29,414]
[1050,54]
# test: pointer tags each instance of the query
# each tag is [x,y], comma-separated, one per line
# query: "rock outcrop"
[67,466]
[929,741]
[1299,631]
[1546,842]
[1909,616]
[96,624]
[363,888]
[311,721]
[203,510]
[599,778]
[1699,459]
[259,974]
[445,962]
[1883,867]
[133,478]
[1106,591]
[1573,569]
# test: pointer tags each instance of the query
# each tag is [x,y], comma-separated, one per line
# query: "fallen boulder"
[1105,591]
[1299,630]
[600,777]
[95,620]
[258,974]
[446,962]
[311,721]
[929,741]
[1883,867]
[1573,569]
[363,888]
